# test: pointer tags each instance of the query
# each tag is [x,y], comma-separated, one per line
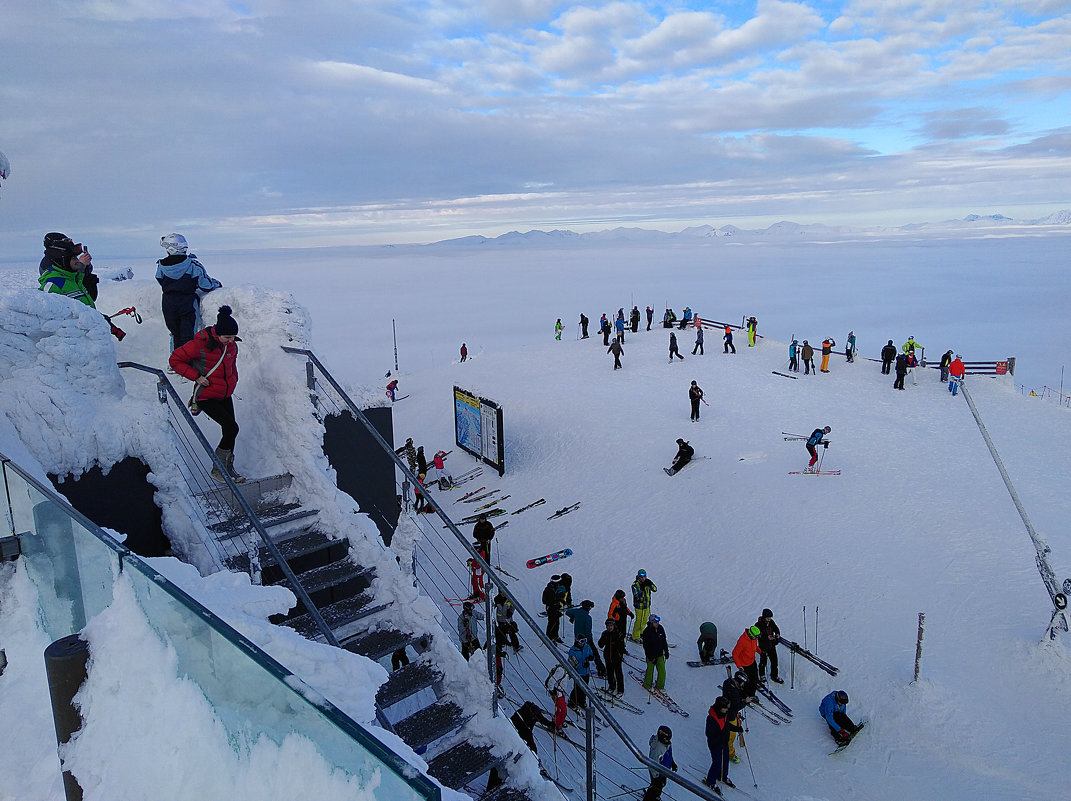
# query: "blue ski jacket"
[816,436]
[580,657]
[829,707]
[581,621]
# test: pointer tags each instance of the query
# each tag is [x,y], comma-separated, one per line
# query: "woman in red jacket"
[210,361]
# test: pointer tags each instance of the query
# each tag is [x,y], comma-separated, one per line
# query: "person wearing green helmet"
[745,655]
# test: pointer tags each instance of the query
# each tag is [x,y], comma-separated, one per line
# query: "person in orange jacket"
[745,655]
[827,348]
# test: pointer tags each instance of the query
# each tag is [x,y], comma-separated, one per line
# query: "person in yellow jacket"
[642,589]
[827,348]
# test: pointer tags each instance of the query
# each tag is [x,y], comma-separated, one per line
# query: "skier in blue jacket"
[833,709]
[813,442]
[580,657]
[661,752]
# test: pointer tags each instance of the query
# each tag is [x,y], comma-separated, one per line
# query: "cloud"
[360,74]
[963,123]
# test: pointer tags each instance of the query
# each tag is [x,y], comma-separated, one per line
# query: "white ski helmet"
[174,244]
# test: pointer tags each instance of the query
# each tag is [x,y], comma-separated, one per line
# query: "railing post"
[589,739]
[492,643]
[65,666]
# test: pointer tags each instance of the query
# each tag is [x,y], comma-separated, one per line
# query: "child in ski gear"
[813,442]
[732,690]
[662,753]
[476,579]
[901,371]
[617,350]
[685,452]
[583,325]
[642,589]
[768,638]
[728,337]
[467,630]
[807,352]
[793,353]
[956,371]
[612,643]
[849,349]
[554,683]
[719,727]
[673,347]
[553,600]
[183,281]
[946,360]
[505,626]
[408,450]
[695,394]
[707,642]
[392,387]
[827,348]
[67,269]
[888,353]
[580,616]
[752,329]
[464,351]
[619,611]
[650,316]
[419,501]
[655,653]
[744,656]
[833,710]
[558,329]
[210,360]
[580,657]
[698,341]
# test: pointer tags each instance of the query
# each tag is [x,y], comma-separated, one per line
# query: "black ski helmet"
[665,735]
[467,606]
[841,697]
[59,248]
[740,678]
[721,705]
[767,613]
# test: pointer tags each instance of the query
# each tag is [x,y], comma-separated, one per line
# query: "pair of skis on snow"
[661,696]
[808,471]
[832,670]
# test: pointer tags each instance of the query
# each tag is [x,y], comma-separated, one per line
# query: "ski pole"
[747,753]
[805,626]
[816,629]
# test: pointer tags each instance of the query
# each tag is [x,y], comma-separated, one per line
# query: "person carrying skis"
[946,360]
[583,326]
[728,337]
[793,356]
[618,351]
[695,394]
[505,626]
[67,269]
[732,690]
[698,341]
[553,599]
[655,653]
[719,727]
[464,351]
[956,371]
[813,442]
[210,360]
[834,710]
[661,751]
[707,642]
[558,329]
[642,590]
[888,353]
[827,348]
[467,630]
[184,282]
[768,638]
[619,612]
[650,317]
[807,352]
[752,330]
[849,349]
[901,371]
[612,643]
[634,319]
[745,654]
[673,348]
[685,452]
[580,657]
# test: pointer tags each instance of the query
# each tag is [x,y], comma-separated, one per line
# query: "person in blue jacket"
[184,282]
[686,317]
[619,324]
[793,356]
[661,752]
[580,657]
[580,616]
[833,710]
[813,442]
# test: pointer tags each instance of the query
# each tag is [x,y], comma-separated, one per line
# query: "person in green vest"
[64,269]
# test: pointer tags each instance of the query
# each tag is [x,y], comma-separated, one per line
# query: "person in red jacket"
[744,655]
[956,370]
[210,360]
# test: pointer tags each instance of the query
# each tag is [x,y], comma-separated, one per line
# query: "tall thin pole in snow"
[918,644]
[394,328]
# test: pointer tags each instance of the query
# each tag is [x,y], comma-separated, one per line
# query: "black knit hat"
[225,324]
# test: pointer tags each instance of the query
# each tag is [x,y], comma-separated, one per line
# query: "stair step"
[407,681]
[329,575]
[506,793]
[430,724]
[381,643]
[275,514]
[457,766]
[302,552]
[336,615]
[253,490]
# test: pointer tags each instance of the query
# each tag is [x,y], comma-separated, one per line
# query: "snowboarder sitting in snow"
[685,452]
[833,709]
[813,442]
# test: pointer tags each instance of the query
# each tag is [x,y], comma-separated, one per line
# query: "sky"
[270,123]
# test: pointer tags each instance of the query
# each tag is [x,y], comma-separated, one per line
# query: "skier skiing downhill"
[662,753]
[833,710]
[813,442]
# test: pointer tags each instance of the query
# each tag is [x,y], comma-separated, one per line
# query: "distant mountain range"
[780,230]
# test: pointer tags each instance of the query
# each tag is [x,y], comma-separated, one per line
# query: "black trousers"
[899,382]
[554,617]
[695,408]
[222,411]
[615,675]
[886,366]
[698,347]
[770,657]
[793,364]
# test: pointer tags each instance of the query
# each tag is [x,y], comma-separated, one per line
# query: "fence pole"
[918,644]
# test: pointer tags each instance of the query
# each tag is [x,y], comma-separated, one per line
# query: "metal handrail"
[592,698]
[243,504]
